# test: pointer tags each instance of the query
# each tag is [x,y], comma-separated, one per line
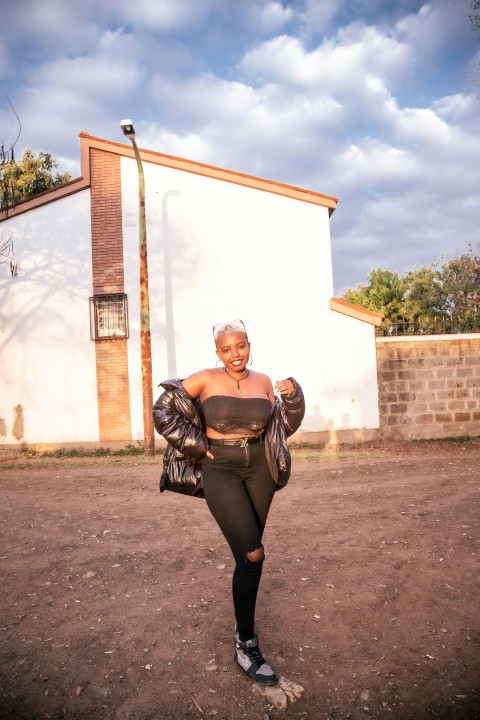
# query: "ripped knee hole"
[256,556]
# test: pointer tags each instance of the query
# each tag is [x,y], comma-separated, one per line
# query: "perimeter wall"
[429,387]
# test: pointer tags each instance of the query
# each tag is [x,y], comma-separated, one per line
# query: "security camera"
[127,128]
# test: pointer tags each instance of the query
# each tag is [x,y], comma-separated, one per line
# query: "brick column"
[113,393]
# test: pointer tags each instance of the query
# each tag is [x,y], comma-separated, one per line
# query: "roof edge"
[356,311]
[87,142]
[212,171]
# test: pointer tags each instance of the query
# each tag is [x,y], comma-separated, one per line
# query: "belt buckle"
[244,442]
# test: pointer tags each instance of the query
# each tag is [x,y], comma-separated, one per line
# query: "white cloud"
[203,100]
[92,76]
[335,65]
[422,125]
[374,163]
[44,29]
[459,109]
[163,15]
[435,27]
[317,16]
[192,145]
[273,16]
[257,86]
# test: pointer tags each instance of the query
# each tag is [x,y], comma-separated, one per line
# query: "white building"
[221,245]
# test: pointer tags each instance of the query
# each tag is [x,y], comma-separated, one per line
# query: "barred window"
[108,317]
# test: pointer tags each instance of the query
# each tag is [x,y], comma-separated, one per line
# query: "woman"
[226,435]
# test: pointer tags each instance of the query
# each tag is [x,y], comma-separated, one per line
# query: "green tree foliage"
[384,292]
[30,176]
[437,298]
[461,286]
[422,295]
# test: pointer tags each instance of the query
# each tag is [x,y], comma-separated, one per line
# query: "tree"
[437,298]
[422,300]
[460,279]
[383,292]
[31,175]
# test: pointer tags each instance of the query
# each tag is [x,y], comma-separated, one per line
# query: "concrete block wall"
[429,387]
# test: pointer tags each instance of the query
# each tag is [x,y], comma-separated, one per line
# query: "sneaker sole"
[257,682]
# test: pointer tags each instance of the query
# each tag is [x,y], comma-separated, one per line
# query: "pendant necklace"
[238,380]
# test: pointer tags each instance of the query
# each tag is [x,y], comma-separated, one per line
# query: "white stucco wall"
[232,252]
[241,253]
[47,357]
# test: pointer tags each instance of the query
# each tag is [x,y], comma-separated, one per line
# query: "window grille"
[108,317]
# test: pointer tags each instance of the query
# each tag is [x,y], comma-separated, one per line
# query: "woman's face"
[233,349]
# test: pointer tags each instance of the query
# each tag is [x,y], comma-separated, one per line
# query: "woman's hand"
[285,387]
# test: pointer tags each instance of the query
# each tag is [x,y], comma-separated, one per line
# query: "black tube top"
[241,416]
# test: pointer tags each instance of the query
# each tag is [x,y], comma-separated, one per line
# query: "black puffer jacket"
[180,420]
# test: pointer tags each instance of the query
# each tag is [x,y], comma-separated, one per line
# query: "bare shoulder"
[265,382]
[261,376]
[195,384]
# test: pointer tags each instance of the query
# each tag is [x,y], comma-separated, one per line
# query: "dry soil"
[116,599]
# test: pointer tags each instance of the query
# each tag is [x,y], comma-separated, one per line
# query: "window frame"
[97,332]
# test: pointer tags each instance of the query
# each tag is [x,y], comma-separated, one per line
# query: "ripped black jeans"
[239,490]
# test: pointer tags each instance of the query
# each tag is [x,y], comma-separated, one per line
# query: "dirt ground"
[116,599]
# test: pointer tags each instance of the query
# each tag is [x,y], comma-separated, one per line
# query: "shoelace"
[255,656]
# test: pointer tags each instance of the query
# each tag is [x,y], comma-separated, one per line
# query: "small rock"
[274,695]
[282,694]
[78,690]
[365,695]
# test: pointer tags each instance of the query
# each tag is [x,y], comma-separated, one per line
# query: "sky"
[376,102]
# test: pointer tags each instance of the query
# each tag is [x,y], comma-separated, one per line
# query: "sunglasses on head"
[232,326]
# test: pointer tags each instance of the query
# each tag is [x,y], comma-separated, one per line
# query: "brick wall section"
[113,392]
[429,388]
[106,215]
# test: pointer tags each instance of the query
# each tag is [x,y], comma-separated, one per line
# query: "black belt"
[241,442]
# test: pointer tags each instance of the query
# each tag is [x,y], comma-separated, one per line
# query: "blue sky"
[374,102]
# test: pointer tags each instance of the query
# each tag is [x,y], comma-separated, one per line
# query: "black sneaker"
[250,660]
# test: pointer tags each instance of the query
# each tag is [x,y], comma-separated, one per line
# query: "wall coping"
[356,311]
[428,338]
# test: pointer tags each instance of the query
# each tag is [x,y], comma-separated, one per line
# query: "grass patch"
[80,452]
[459,439]
[25,457]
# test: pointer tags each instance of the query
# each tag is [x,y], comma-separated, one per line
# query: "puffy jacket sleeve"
[293,409]
[177,420]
